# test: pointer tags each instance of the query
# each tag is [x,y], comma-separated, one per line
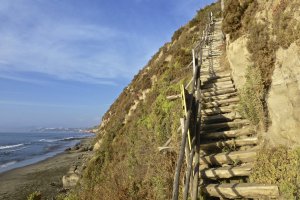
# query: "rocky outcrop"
[284,97]
[76,170]
[70,180]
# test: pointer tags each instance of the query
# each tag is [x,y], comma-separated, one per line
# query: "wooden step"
[217,88]
[220,97]
[220,110]
[209,70]
[229,143]
[229,158]
[221,118]
[218,103]
[227,134]
[241,190]
[227,171]
[216,85]
[217,79]
[219,92]
[225,125]
[215,76]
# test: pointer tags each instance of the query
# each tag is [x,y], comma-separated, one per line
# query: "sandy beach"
[45,176]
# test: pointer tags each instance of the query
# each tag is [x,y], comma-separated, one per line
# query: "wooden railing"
[191,123]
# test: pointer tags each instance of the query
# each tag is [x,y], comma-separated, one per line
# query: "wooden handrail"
[193,110]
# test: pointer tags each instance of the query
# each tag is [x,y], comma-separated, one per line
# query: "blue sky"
[63,62]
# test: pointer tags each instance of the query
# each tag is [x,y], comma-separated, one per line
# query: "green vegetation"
[35,196]
[279,166]
[128,165]
[251,95]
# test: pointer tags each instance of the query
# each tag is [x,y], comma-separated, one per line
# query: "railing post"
[196,136]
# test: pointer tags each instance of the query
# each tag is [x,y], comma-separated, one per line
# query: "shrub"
[237,15]
[177,34]
[35,196]
[232,18]
[251,98]
[263,51]
[280,166]
[286,27]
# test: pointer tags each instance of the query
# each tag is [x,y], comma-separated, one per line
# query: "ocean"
[21,149]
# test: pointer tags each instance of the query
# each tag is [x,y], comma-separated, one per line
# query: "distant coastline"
[22,149]
[44,176]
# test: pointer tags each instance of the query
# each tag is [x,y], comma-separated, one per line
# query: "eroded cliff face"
[284,97]
[279,22]
[239,59]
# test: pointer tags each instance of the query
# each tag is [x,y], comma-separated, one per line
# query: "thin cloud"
[66,50]
[21,79]
[35,104]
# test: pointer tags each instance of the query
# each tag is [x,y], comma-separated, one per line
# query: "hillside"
[261,51]
[127,163]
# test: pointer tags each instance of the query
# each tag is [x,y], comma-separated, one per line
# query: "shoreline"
[44,176]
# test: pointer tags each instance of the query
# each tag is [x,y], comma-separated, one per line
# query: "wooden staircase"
[227,146]
[228,140]
[225,154]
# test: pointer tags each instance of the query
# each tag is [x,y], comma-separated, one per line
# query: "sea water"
[21,149]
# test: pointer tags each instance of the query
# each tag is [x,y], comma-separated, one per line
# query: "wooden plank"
[230,143]
[219,88]
[173,97]
[225,102]
[220,97]
[217,84]
[216,79]
[228,158]
[219,92]
[227,172]
[227,134]
[213,75]
[225,125]
[226,117]
[241,190]
[220,110]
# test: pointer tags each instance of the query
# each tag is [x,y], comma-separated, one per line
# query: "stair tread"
[229,101]
[220,97]
[219,110]
[227,171]
[217,88]
[222,125]
[217,84]
[227,134]
[216,79]
[241,190]
[232,142]
[218,92]
[229,157]
[227,117]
